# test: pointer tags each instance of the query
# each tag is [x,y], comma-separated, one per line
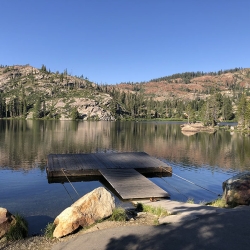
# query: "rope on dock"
[190,182]
[69,181]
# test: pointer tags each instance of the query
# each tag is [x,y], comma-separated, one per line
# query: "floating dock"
[130,184]
[124,171]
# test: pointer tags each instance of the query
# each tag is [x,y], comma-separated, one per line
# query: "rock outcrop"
[61,94]
[237,190]
[92,207]
[88,109]
[6,221]
[196,127]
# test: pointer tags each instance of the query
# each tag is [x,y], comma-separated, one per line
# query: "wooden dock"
[130,184]
[122,170]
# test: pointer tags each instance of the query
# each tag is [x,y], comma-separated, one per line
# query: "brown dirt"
[43,243]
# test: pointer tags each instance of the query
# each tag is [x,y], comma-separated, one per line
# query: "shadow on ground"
[228,230]
[225,231]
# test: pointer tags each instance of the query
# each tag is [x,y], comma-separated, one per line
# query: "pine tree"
[24,108]
[190,113]
[2,106]
[61,77]
[227,109]
[247,116]
[43,69]
[243,112]
[37,108]
[210,111]
[74,114]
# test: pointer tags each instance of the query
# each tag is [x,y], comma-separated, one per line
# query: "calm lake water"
[204,159]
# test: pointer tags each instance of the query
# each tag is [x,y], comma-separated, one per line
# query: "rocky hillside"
[28,92]
[191,86]
[38,93]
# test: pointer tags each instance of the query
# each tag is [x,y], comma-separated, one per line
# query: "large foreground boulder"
[6,221]
[92,207]
[236,190]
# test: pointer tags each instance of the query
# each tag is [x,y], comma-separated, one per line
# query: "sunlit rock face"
[92,207]
[6,220]
[237,190]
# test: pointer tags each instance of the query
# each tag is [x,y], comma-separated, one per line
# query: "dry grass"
[220,202]
[158,211]
[19,230]
[119,214]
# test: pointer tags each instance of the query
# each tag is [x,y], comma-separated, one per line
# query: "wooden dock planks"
[134,160]
[122,170]
[130,184]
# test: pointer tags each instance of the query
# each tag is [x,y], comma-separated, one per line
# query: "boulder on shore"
[90,208]
[236,190]
[6,221]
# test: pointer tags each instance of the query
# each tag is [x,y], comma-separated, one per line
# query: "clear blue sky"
[112,41]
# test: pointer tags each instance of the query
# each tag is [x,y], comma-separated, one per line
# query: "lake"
[200,162]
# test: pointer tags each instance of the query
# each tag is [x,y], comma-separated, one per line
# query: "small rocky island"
[193,128]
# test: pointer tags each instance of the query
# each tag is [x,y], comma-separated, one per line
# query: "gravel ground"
[42,243]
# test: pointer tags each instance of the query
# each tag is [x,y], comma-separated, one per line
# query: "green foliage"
[74,114]
[190,113]
[7,69]
[190,200]
[227,109]
[119,214]
[187,76]
[220,202]
[44,69]
[49,230]
[37,109]
[19,230]
[159,211]
[61,77]
[210,111]
[2,106]
[243,112]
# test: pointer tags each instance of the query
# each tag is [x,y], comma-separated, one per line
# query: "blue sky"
[113,41]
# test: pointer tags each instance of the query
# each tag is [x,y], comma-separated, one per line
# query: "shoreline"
[41,242]
[185,213]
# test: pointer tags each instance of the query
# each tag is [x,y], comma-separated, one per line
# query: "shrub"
[19,230]
[190,200]
[159,211]
[220,202]
[49,230]
[119,214]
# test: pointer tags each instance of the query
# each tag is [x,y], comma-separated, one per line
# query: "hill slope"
[184,86]
[36,93]
[28,92]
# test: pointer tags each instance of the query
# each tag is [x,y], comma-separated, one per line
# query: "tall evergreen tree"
[190,113]
[2,106]
[74,114]
[210,111]
[227,109]
[242,111]
[37,108]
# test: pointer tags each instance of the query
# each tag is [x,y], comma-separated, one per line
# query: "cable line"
[68,192]
[191,182]
[174,188]
[69,181]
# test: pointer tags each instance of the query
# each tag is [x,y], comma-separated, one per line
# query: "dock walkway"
[122,170]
